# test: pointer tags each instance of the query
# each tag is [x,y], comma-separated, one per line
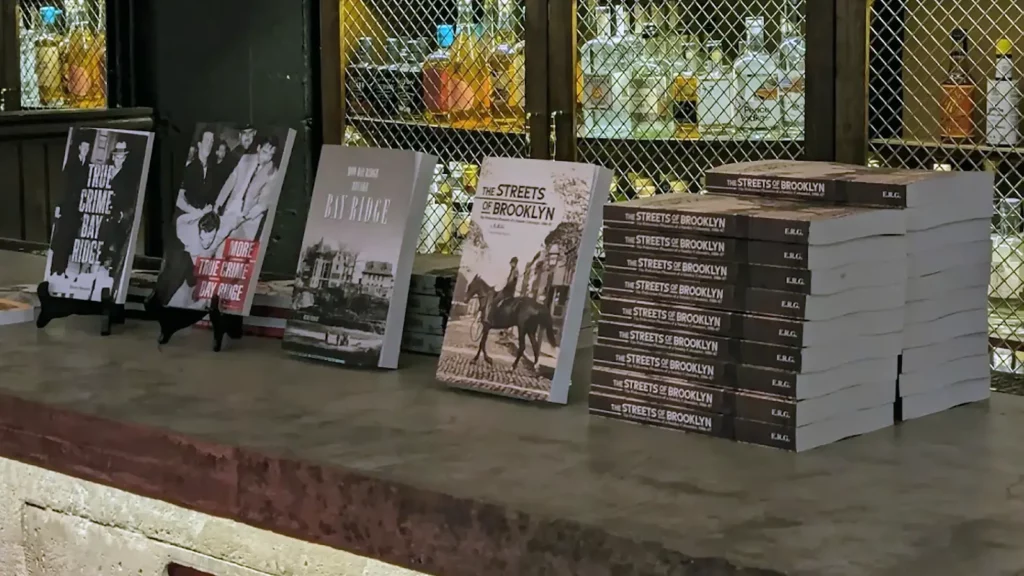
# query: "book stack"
[430,298]
[762,320]
[944,361]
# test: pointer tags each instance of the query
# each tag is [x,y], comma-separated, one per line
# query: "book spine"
[733,273]
[765,434]
[422,343]
[692,396]
[675,418]
[702,346]
[706,247]
[716,295]
[826,191]
[625,215]
[717,322]
[428,305]
[425,324]
[431,285]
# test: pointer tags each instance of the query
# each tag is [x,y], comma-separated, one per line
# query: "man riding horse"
[507,292]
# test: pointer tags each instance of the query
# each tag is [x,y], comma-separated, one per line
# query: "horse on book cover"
[527,315]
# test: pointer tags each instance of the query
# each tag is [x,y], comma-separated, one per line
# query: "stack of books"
[762,320]
[430,299]
[945,359]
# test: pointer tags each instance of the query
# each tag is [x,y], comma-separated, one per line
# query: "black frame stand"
[172,320]
[53,307]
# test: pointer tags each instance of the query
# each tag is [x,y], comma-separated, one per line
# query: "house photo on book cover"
[97,215]
[521,287]
[223,214]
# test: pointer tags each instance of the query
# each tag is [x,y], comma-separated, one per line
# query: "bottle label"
[1002,116]
[759,102]
[714,102]
[79,81]
[957,108]
[684,101]
[461,96]
[599,91]
[646,98]
[436,90]
[793,100]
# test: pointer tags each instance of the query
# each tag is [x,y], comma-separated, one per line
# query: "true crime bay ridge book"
[97,216]
[223,214]
[522,284]
[354,270]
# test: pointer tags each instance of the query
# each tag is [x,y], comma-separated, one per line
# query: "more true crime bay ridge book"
[522,284]
[97,216]
[223,214]
[352,282]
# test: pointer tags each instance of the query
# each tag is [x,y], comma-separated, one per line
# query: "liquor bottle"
[359,79]
[98,90]
[1007,261]
[49,75]
[81,58]
[956,122]
[602,82]
[757,92]
[648,90]
[685,71]
[385,88]
[29,34]
[433,216]
[438,84]
[398,90]
[715,95]
[505,110]
[1002,100]
[792,52]
[470,105]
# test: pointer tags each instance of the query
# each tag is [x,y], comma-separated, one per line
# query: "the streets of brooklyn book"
[222,216]
[753,217]
[520,294]
[352,283]
[97,213]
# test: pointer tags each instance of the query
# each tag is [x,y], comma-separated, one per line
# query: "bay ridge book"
[97,213]
[223,216]
[355,266]
[522,285]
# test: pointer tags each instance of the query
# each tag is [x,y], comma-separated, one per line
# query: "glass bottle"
[98,90]
[359,79]
[958,89]
[29,27]
[471,89]
[792,52]
[437,78]
[1007,262]
[601,113]
[1002,126]
[757,92]
[715,95]
[385,89]
[648,90]
[48,71]
[81,58]
[685,74]
[505,111]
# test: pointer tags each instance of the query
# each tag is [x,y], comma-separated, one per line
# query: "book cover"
[519,298]
[223,215]
[352,283]
[98,212]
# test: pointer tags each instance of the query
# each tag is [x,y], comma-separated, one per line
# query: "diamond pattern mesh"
[671,89]
[63,54]
[944,95]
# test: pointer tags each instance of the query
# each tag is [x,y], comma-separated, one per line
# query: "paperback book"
[223,215]
[521,290]
[352,283]
[97,214]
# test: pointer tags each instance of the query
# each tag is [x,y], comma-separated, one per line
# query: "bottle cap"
[1004,47]
[445,35]
[49,14]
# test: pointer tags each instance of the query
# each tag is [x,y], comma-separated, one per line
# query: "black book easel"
[172,320]
[54,307]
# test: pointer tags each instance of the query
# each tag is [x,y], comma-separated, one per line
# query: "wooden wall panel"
[10,191]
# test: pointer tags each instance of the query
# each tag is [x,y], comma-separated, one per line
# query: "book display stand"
[172,320]
[54,307]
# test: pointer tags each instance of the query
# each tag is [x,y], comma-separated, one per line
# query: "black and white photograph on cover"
[340,302]
[507,312]
[94,219]
[232,180]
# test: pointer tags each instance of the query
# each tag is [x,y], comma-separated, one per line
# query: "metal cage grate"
[62,54]
[669,89]
[944,95]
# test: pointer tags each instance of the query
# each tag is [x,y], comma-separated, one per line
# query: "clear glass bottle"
[505,111]
[471,77]
[49,75]
[1007,261]
[757,91]
[438,84]
[29,27]
[792,52]
[1002,127]
[649,100]
[958,92]
[716,95]
[601,90]
[82,59]
[359,79]
[685,69]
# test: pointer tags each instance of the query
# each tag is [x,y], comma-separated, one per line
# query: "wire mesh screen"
[672,88]
[63,53]
[445,77]
[944,95]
